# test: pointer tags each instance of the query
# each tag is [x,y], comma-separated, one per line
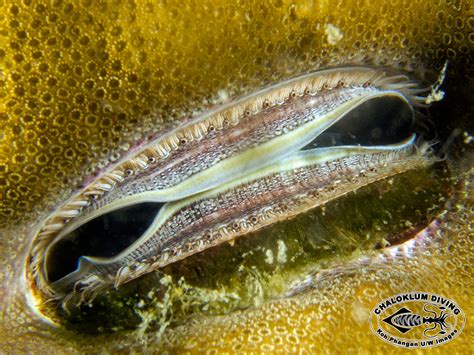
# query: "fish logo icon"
[417,320]
[404,320]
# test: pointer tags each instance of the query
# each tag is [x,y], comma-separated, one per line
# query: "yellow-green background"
[81,81]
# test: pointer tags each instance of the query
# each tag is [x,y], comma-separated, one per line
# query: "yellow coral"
[82,81]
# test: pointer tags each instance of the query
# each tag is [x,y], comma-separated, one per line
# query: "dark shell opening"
[380,121]
[104,236]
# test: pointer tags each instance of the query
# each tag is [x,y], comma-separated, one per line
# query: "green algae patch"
[263,265]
